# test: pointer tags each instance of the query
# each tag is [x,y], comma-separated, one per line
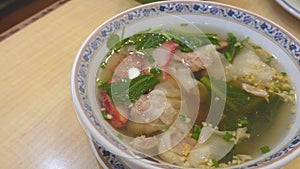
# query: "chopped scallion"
[165,129]
[283,73]
[100,82]
[256,47]
[243,121]
[156,71]
[195,136]
[265,149]
[196,132]
[215,163]
[197,128]
[120,136]
[105,115]
[228,136]
[182,117]
[269,60]
[103,64]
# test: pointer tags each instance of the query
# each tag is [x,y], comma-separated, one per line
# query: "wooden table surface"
[38,125]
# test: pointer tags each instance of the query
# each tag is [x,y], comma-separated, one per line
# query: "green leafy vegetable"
[150,40]
[236,98]
[214,39]
[154,38]
[242,107]
[126,89]
[112,40]
[188,42]
[142,40]
[234,46]
[140,85]
[231,49]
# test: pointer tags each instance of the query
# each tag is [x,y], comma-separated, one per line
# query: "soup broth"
[195,99]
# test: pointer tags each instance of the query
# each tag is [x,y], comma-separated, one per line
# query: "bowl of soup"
[190,84]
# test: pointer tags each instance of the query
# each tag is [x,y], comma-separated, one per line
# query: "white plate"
[292,6]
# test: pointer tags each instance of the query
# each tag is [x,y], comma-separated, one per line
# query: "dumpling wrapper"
[214,148]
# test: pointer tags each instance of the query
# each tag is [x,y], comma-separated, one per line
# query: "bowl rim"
[87,121]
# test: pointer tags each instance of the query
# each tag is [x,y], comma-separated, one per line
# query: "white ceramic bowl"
[207,14]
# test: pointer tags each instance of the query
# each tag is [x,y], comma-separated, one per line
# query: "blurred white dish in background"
[292,6]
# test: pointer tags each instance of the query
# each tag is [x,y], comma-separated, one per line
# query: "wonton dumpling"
[248,63]
[216,147]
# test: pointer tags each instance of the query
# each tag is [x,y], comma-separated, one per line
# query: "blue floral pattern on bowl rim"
[290,44]
[110,160]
